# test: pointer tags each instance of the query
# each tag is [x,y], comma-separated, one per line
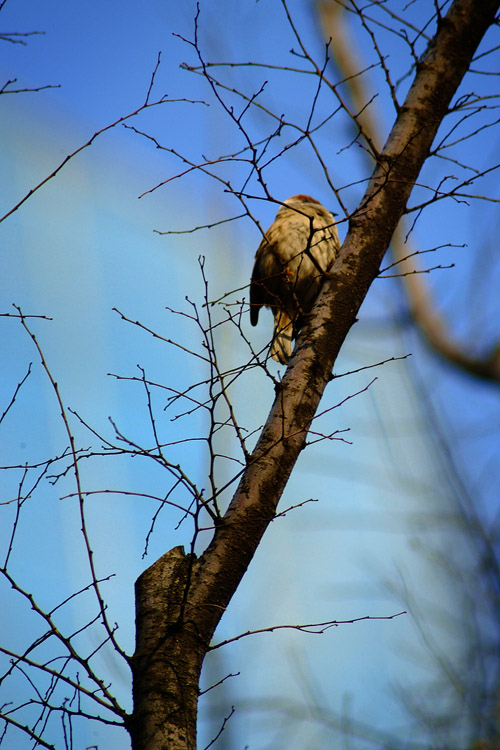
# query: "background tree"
[199,588]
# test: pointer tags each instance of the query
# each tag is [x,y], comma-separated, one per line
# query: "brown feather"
[298,249]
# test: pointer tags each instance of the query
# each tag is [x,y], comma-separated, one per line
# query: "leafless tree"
[181,598]
[469,687]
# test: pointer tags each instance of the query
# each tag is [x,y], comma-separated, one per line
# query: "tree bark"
[431,325]
[180,600]
[167,662]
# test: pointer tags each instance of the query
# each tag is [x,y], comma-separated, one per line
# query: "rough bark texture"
[170,647]
[168,658]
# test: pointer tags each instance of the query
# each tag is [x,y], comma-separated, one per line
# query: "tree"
[181,597]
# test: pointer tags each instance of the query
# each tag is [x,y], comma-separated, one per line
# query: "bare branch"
[17,37]
[147,105]
[6,90]
[14,396]
[316,628]
[75,457]
[426,318]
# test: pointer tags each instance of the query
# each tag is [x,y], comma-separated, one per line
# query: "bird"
[297,250]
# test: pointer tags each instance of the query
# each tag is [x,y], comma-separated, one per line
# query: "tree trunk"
[180,600]
[167,662]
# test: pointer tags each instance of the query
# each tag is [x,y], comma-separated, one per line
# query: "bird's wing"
[258,295]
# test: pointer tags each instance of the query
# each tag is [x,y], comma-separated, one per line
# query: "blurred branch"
[17,37]
[296,714]
[346,55]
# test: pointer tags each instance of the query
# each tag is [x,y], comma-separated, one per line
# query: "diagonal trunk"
[180,600]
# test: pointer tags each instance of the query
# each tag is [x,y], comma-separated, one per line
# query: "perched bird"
[298,248]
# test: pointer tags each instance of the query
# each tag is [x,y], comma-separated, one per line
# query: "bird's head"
[300,198]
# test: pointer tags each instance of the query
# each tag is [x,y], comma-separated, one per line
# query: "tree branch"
[423,311]
[208,583]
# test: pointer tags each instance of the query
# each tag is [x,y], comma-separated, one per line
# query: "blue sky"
[85,244]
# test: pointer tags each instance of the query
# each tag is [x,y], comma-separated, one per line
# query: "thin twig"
[315,628]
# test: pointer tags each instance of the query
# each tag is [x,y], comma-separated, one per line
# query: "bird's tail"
[281,345]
